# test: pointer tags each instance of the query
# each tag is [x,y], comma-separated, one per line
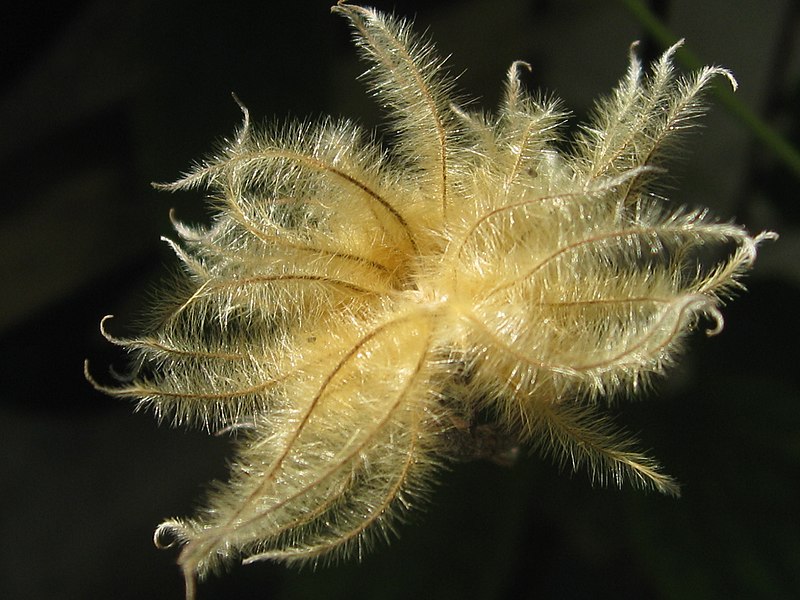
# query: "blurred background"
[98,99]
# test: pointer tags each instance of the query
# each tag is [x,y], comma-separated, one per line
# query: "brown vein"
[615,360]
[526,135]
[271,239]
[505,208]
[604,301]
[654,329]
[660,231]
[326,167]
[143,391]
[147,343]
[263,279]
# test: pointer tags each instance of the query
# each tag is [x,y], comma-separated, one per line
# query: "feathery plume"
[352,309]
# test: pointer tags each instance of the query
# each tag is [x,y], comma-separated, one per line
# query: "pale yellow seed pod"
[353,310]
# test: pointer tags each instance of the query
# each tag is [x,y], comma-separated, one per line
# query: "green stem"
[776,143]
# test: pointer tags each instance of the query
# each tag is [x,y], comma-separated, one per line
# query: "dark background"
[98,99]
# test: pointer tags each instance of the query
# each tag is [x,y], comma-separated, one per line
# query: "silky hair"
[361,316]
